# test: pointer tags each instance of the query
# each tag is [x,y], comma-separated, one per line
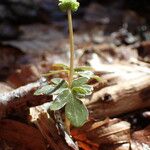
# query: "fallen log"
[125,96]
[120,98]
[22,97]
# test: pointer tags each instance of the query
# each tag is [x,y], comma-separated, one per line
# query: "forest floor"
[115,42]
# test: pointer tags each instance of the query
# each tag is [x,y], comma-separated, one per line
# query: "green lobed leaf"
[87,74]
[79,81]
[65,67]
[56,80]
[88,89]
[59,90]
[82,91]
[63,87]
[79,90]
[83,68]
[61,83]
[53,72]
[76,112]
[99,79]
[49,89]
[45,90]
[61,100]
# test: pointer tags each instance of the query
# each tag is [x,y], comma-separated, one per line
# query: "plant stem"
[71,72]
[71,40]
[67,125]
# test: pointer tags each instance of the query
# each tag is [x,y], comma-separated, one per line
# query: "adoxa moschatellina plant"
[68,93]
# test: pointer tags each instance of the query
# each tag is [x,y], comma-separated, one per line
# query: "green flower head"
[64,5]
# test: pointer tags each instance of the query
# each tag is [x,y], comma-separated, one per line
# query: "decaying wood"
[121,98]
[21,97]
[124,146]
[4,87]
[141,139]
[21,136]
[113,132]
[48,128]
[142,136]
[139,146]
[124,96]
[110,134]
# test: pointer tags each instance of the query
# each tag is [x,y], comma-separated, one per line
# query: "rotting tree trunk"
[22,97]
[125,96]
[120,98]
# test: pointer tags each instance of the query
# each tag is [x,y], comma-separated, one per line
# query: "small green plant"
[68,92]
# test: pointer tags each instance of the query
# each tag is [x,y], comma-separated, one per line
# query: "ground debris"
[110,36]
[21,136]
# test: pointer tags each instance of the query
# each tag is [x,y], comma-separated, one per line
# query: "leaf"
[65,67]
[49,89]
[79,81]
[88,89]
[45,90]
[76,112]
[56,80]
[53,72]
[87,74]
[83,68]
[79,91]
[99,79]
[61,88]
[81,136]
[61,100]
[82,90]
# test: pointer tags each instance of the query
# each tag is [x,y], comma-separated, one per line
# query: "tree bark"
[22,97]
[120,98]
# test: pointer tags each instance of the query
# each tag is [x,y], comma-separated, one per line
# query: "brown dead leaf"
[8,59]
[83,141]
[16,133]
[24,75]
[142,136]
